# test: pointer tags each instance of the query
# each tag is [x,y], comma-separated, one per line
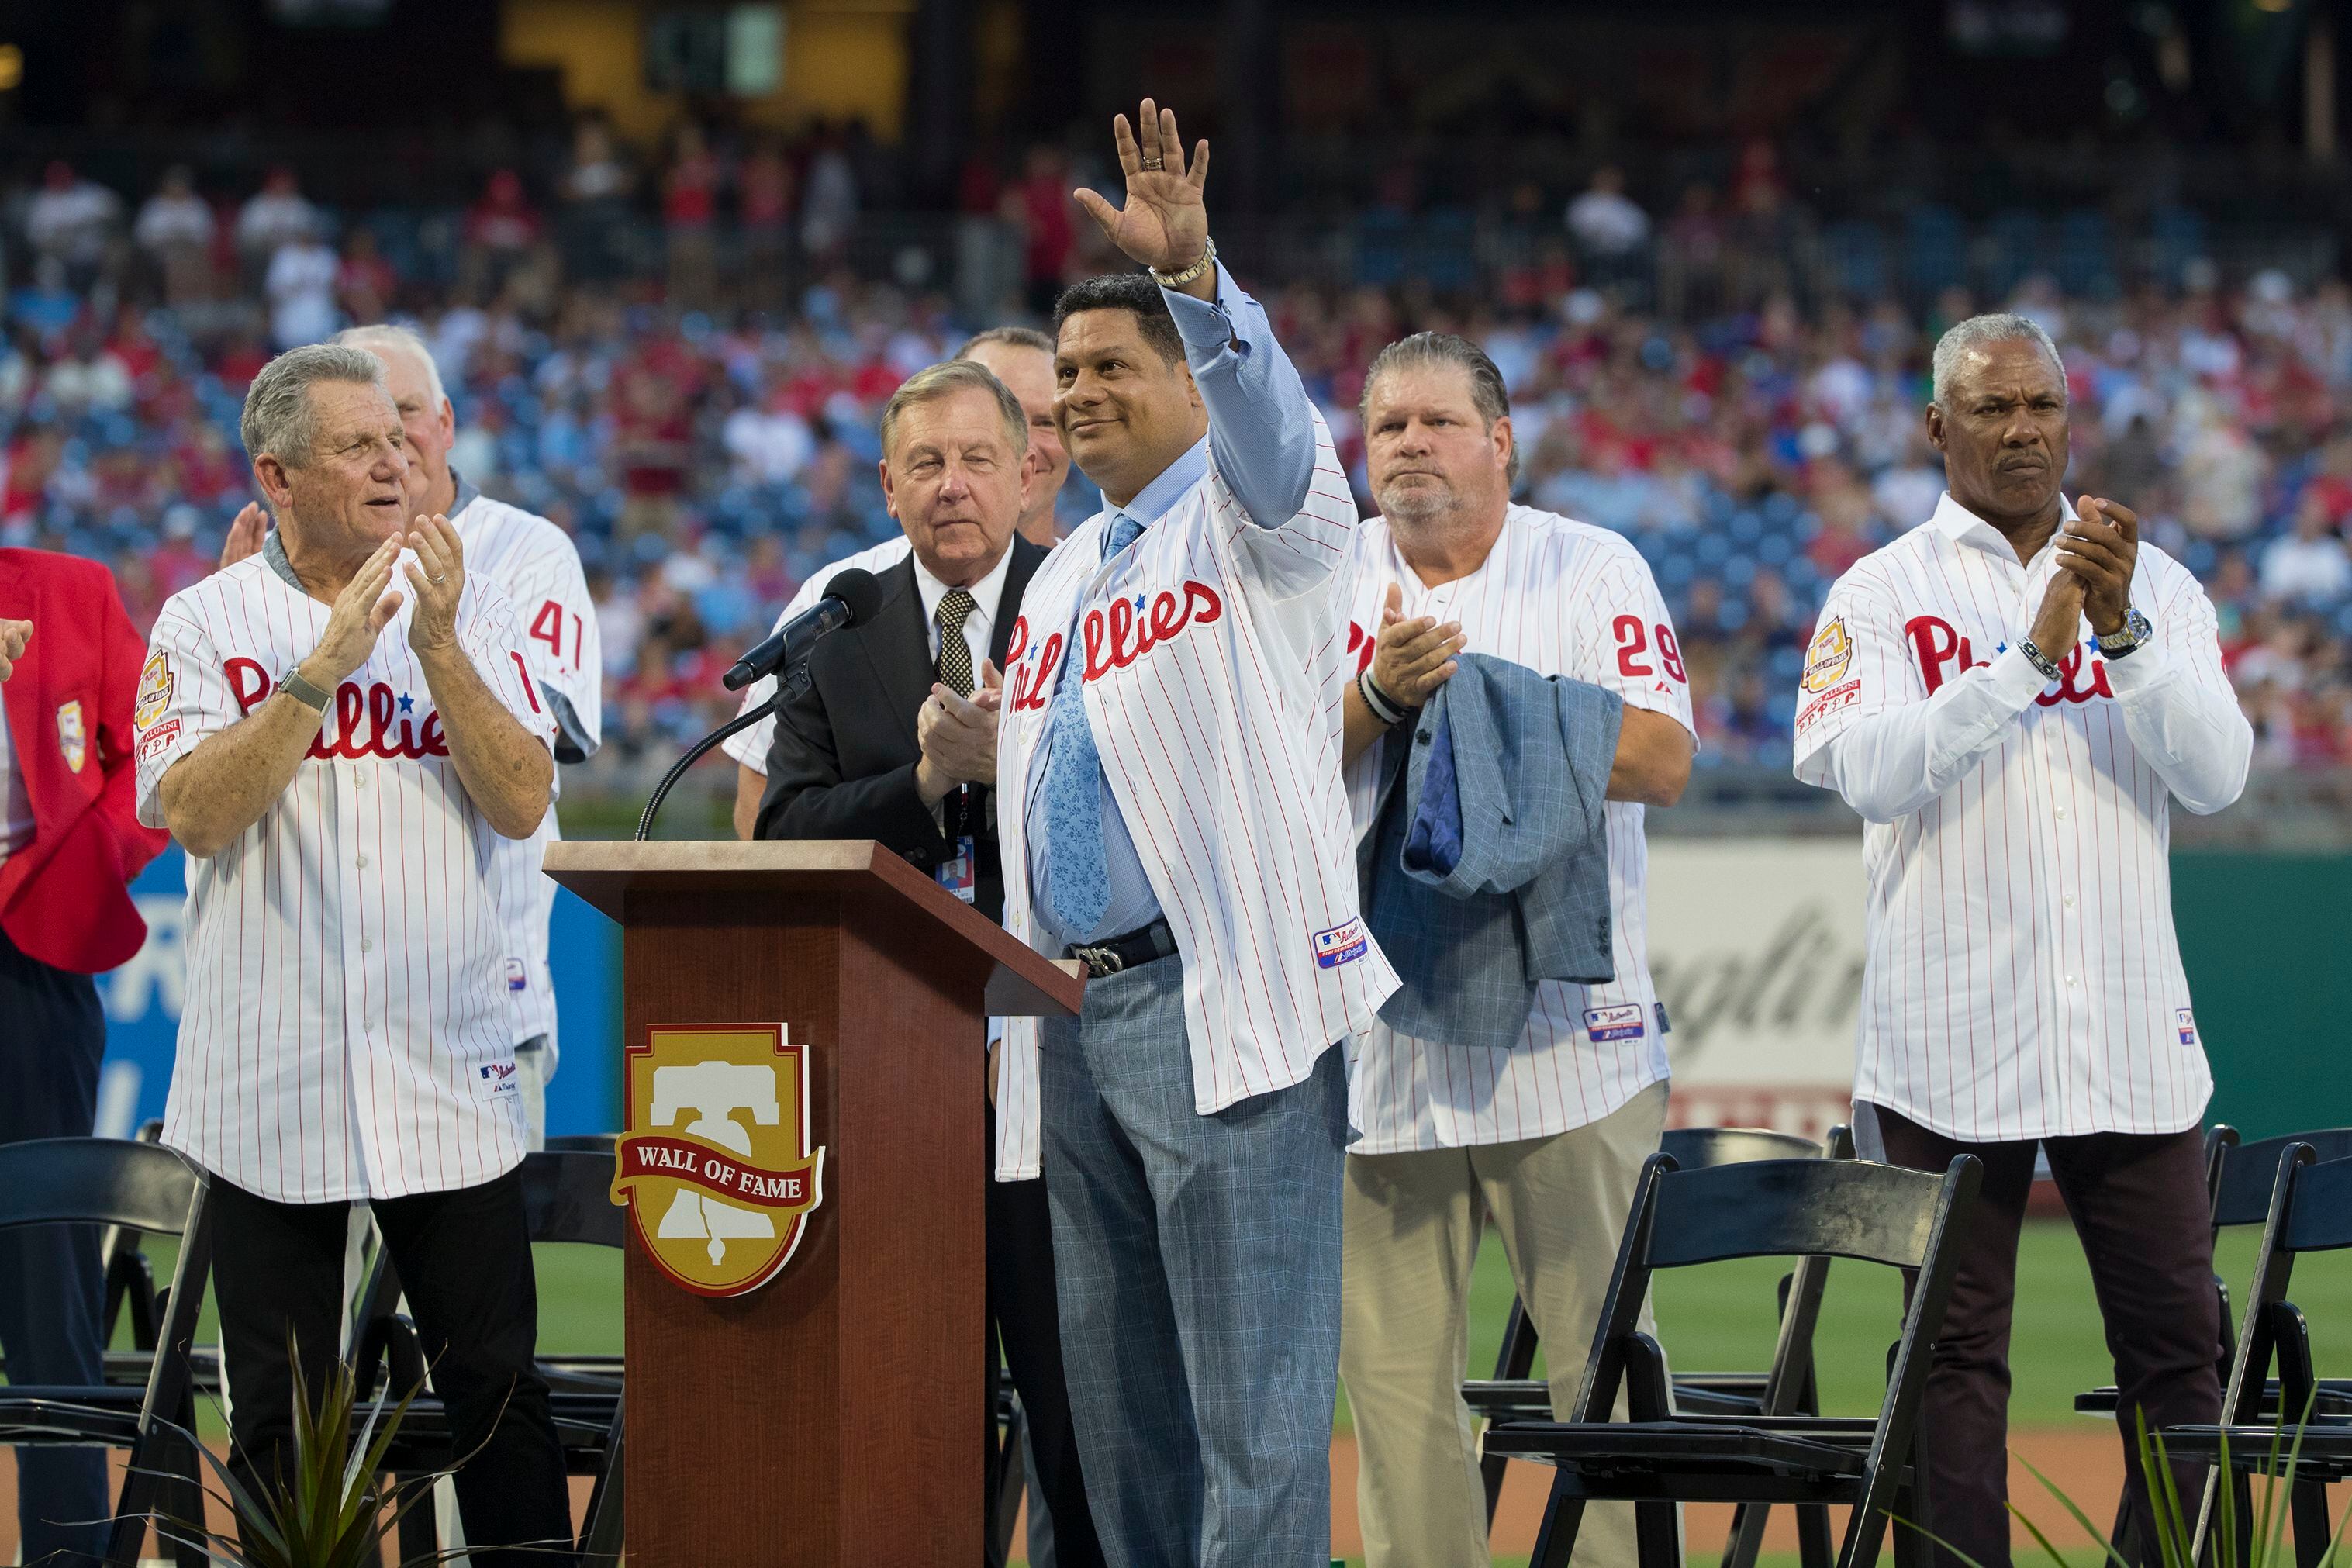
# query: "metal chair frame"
[124,1186]
[1513,1395]
[1803,1208]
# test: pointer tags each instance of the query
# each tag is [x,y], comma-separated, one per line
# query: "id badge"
[956,874]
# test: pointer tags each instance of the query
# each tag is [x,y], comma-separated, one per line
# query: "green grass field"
[1718,1317]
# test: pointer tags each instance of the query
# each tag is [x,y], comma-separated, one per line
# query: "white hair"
[1978,334]
[389,334]
[279,420]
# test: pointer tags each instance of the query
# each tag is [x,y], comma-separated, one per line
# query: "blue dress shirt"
[1262,430]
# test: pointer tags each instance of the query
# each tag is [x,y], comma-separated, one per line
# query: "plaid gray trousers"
[1197,1265]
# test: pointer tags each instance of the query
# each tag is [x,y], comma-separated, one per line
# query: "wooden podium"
[836,1414]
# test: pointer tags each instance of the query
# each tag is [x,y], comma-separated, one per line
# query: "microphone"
[850,597]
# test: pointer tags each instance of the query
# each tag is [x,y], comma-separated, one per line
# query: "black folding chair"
[567,1197]
[2310,1211]
[126,1186]
[1012,1472]
[1658,1458]
[2239,1181]
[1511,1394]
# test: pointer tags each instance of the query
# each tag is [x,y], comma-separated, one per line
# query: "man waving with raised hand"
[1172,816]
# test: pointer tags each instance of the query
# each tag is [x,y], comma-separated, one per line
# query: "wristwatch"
[1178,279]
[302,691]
[2136,630]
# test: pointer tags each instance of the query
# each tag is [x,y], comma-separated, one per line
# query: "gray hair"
[279,420]
[1978,334]
[1488,393]
[1008,337]
[390,335]
[945,380]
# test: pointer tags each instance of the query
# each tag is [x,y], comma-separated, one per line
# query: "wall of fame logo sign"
[715,1167]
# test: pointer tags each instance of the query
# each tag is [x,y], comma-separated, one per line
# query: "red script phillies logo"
[1114,637]
[367,723]
[1937,646]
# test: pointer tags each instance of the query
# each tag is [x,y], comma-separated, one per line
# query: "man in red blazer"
[69,844]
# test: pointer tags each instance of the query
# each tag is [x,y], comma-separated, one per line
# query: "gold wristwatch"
[1178,279]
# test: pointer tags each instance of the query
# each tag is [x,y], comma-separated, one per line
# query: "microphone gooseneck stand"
[786,688]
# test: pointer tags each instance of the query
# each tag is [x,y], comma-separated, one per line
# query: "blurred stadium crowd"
[682,365]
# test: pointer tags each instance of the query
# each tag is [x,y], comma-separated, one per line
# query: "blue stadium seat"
[2014,245]
[2086,259]
[1935,250]
[1380,249]
[1855,254]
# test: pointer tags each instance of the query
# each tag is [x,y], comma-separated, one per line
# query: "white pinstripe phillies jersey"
[537,567]
[1214,664]
[750,747]
[345,1032]
[1561,598]
[2020,978]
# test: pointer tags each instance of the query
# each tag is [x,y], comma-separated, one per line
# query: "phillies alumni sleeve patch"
[155,682]
[1340,944]
[1830,656]
[2185,1024]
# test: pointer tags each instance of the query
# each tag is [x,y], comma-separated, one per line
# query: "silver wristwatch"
[2135,631]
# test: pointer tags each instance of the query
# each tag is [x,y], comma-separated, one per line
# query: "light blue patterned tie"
[1079,876]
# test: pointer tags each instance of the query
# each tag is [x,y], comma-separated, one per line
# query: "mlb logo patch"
[497,1080]
[2185,1024]
[1340,944]
[1622,1022]
[517,976]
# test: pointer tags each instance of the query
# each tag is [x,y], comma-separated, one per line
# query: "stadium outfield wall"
[1756,947]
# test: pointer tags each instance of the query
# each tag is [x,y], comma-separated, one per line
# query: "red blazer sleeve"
[64,900]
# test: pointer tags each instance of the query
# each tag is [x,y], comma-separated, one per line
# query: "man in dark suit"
[70,843]
[894,739]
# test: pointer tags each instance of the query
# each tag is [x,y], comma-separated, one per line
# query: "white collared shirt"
[1561,598]
[2021,978]
[986,594]
[346,1032]
[750,746]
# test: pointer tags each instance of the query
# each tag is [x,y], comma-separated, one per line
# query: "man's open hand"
[244,535]
[957,736]
[2101,546]
[1412,658]
[1164,223]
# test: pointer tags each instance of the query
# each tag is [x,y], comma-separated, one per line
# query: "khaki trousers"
[1413,1222]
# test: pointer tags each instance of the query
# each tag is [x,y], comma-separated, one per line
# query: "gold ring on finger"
[1154,165]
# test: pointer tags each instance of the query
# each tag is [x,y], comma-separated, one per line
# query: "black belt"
[1129,950]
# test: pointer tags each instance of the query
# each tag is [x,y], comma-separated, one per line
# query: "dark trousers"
[2139,1203]
[52,1292]
[1022,1309]
[464,1258]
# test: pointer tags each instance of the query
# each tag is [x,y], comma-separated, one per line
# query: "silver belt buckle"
[1100,961]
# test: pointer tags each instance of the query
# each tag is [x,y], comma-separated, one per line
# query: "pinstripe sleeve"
[182,698]
[2179,708]
[562,644]
[1866,725]
[493,639]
